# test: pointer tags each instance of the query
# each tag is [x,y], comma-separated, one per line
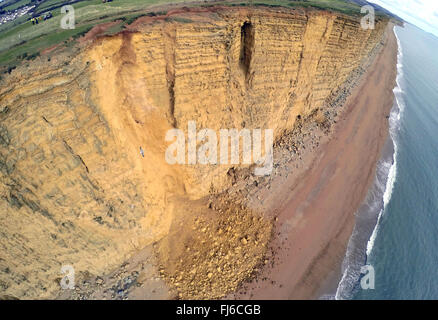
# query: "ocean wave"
[377,199]
[394,127]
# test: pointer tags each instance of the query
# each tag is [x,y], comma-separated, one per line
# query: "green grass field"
[20,38]
[16,5]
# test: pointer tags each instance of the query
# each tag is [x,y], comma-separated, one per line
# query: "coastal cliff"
[75,188]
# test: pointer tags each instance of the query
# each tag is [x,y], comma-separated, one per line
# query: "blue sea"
[396,232]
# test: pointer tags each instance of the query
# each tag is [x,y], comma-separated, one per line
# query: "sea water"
[396,232]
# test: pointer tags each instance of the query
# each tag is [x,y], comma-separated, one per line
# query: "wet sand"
[315,223]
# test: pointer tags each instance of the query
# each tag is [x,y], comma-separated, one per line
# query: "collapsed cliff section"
[84,181]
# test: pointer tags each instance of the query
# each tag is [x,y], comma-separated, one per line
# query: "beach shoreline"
[313,226]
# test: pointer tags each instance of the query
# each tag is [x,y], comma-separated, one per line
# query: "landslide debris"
[211,255]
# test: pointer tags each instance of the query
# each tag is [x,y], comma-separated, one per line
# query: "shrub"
[33,56]
[22,56]
[11,68]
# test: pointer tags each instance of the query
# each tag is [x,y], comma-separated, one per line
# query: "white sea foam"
[347,277]
[386,168]
[394,126]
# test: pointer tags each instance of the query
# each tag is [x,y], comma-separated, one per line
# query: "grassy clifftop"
[20,40]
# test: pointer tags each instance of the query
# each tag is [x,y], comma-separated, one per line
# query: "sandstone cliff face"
[74,187]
